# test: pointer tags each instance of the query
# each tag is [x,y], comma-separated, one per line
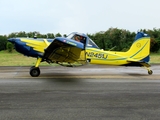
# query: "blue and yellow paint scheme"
[67,51]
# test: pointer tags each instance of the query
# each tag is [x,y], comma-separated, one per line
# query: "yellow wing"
[37,45]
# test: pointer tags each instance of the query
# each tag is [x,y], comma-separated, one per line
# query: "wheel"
[32,67]
[34,71]
[150,72]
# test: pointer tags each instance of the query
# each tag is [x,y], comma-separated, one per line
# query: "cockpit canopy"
[80,37]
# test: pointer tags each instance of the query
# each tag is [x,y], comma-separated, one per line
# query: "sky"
[85,16]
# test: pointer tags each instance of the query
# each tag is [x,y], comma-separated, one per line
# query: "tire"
[150,72]
[34,71]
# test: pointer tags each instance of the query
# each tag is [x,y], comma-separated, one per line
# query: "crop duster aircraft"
[67,51]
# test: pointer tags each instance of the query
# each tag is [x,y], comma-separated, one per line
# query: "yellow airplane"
[78,49]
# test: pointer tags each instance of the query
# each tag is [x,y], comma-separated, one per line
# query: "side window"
[83,40]
[80,39]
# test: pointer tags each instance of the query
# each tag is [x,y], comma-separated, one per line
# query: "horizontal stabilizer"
[141,63]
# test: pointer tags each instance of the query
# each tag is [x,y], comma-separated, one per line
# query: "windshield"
[70,36]
[92,44]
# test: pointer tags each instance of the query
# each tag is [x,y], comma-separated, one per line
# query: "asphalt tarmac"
[84,93]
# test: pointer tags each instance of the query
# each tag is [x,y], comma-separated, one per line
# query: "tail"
[140,48]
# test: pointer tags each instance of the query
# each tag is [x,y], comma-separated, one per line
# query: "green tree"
[64,35]
[155,39]
[9,46]
[21,34]
[58,35]
[50,35]
[12,35]
[3,41]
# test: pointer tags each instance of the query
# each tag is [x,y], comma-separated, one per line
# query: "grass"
[17,59]
[155,58]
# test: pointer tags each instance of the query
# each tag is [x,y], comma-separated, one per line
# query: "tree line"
[111,39]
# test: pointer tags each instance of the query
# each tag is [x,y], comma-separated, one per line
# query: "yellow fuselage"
[137,52]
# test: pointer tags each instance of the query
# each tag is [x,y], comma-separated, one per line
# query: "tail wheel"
[34,71]
[150,72]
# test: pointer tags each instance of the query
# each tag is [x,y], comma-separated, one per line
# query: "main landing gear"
[34,70]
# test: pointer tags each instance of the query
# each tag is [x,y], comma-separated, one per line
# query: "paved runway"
[85,93]
[89,71]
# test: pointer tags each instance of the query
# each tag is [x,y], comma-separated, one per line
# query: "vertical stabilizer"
[140,48]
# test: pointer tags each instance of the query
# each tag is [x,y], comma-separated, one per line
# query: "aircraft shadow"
[136,74]
[60,77]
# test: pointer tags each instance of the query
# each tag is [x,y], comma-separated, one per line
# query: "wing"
[62,50]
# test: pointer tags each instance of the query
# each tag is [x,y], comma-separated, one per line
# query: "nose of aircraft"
[12,40]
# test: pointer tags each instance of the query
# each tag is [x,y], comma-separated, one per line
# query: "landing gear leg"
[34,70]
[147,66]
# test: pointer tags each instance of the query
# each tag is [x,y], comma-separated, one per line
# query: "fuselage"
[139,50]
